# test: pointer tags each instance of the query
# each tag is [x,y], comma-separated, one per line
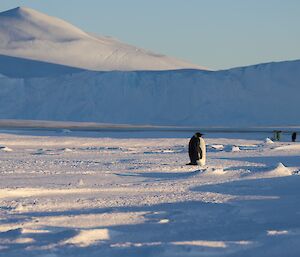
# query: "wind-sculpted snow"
[266,94]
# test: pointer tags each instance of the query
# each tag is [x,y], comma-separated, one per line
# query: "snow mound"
[268,141]
[5,149]
[81,182]
[280,171]
[235,148]
[218,171]
[28,34]
[232,148]
[67,150]
[217,147]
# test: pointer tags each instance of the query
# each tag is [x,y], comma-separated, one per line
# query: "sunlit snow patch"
[214,244]
[34,231]
[214,171]
[163,221]
[294,147]
[277,232]
[23,240]
[66,131]
[88,237]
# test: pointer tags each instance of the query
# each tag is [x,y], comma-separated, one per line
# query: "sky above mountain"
[213,33]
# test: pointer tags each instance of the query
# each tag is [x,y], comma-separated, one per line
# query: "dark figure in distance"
[197,150]
[294,136]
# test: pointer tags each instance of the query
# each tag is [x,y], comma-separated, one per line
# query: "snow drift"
[28,34]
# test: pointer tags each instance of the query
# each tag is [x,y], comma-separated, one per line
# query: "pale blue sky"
[217,34]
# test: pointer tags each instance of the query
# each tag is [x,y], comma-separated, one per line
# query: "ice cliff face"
[266,94]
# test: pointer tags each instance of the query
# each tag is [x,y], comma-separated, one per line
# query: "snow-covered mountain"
[44,62]
[27,36]
[266,94]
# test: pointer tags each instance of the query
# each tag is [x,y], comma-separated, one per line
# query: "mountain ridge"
[29,34]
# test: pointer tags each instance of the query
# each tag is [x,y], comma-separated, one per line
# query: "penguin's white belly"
[202,161]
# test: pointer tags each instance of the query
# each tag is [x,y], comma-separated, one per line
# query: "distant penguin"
[294,136]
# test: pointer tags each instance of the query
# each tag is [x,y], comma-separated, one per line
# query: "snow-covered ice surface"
[91,194]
